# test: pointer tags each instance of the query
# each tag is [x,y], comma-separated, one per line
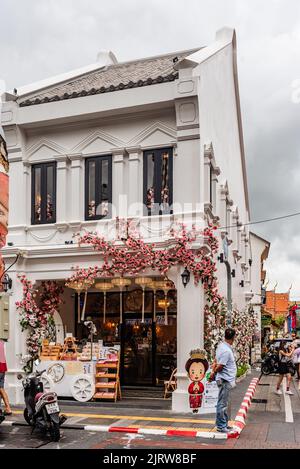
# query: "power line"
[266,220]
[262,221]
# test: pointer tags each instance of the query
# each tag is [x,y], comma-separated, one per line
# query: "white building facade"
[105,144]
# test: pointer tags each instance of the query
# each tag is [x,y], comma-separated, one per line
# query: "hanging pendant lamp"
[165,286]
[143,282]
[152,285]
[88,283]
[104,287]
[78,286]
[121,283]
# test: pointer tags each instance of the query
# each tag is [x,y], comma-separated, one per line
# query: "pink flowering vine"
[134,256]
[36,311]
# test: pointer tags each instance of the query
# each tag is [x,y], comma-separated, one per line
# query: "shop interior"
[140,320]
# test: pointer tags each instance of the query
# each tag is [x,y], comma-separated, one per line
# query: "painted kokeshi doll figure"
[196,367]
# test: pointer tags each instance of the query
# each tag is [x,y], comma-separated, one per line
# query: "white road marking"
[15,430]
[287,404]
[130,437]
[73,420]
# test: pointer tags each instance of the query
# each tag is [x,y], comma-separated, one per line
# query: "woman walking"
[296,354]
[285,361]
[3,369]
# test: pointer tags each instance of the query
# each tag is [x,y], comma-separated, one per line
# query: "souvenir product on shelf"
[89,353]
[69,349]
[50,351]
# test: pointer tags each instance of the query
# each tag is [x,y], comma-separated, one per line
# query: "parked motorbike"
[42,409]
[270,363]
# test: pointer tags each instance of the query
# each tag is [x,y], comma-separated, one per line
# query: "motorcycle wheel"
[265,369]
[26,416]
[54,431]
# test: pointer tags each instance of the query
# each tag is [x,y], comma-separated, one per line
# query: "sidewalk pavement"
[273,420]
[142,416]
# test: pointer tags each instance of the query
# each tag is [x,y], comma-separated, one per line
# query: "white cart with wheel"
[69,378]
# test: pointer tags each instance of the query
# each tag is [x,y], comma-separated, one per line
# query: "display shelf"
[105,365]
[104,395]
[106,385]
[102,374]
[107,381]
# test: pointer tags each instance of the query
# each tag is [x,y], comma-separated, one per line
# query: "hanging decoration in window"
[158,181]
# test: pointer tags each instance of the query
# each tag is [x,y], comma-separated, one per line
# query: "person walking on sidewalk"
[285,362]
[224,369]
[3,369]
[296,354]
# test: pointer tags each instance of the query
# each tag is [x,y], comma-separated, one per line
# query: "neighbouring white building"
[259,254]
[162,130]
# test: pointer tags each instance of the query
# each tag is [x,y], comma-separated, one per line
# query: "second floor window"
[43,193]
[158,181]
[98,187]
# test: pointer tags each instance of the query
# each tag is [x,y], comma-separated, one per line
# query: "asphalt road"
[272,422]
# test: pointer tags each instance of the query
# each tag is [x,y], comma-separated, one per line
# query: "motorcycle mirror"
[19,376]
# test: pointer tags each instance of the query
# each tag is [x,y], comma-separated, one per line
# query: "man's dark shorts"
[2,376]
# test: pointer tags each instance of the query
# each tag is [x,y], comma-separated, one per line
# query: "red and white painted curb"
[239,424]
[240,419]
[156,431]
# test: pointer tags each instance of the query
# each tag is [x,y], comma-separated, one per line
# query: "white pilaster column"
[26,203]
[207,165]
[61,189]
[230,223]
[211,171]
[119,192]
[222,209]
[77,188]
[235,241]
[186,161]
[15,344]
[190,333]
[20,200]
[135,182]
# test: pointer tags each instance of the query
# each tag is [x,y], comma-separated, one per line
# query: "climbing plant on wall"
[36,311]
[132,255]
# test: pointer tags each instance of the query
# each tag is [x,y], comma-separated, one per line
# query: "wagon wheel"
[83,388]
[48,383]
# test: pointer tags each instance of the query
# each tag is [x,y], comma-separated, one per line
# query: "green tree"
[279,322]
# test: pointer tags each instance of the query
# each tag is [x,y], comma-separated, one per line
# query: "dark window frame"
[157,177]
[43,167]
[98,176]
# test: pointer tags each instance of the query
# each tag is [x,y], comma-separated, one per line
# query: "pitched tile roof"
[141,72]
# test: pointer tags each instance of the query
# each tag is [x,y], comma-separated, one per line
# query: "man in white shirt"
[224,370]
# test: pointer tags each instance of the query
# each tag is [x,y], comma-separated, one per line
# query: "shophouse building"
[156,140]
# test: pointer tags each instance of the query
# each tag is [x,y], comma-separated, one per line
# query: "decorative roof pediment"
[44,149]
[97,141]
[155,134]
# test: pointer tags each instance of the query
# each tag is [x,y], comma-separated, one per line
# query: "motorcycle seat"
[38,395]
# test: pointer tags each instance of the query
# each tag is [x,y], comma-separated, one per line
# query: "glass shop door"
[137,352]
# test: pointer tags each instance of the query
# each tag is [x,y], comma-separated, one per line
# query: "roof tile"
[142,72]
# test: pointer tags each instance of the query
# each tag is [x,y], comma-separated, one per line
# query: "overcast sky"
[41,38]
